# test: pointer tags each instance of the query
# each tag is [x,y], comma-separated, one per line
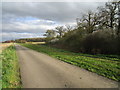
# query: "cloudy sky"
[32,19]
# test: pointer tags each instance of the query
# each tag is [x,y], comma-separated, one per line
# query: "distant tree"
[60,30]
[69,28]
[50,33]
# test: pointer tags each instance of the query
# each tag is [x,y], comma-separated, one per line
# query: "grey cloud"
[61,12]
[51,14]
[25,28]
[14,35]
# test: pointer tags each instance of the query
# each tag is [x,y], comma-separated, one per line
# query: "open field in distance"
[35,42]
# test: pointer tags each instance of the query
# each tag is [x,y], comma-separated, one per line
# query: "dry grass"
[4,45]
[35,42]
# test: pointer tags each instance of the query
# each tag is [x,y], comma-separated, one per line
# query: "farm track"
[39,70]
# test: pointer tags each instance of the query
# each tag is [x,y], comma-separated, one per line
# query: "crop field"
[105,65]
[10,68]
[35,42]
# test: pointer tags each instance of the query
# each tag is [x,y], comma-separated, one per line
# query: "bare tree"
[90,20]
[108,15]
[118,31]
[60,30]
[50,33]
[69,28]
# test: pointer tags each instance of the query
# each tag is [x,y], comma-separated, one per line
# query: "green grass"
[0,72]
[10,69]
[105,65]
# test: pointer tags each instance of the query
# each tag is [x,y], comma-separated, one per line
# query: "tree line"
[95,32]
[24,40]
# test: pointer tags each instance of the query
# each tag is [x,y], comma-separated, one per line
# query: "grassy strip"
[0,72]
[105,66]
[10,69]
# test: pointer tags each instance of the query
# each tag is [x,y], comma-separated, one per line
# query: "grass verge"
[10,69]
[0,72]
[105,65]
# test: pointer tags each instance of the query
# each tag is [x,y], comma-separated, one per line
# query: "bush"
[72,40]
[99,42]
[103,41]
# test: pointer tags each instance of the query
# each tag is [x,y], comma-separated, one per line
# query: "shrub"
[103,41]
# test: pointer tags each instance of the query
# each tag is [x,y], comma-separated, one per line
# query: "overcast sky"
[28,20]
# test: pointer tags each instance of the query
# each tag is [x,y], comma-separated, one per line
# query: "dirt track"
[41,71]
